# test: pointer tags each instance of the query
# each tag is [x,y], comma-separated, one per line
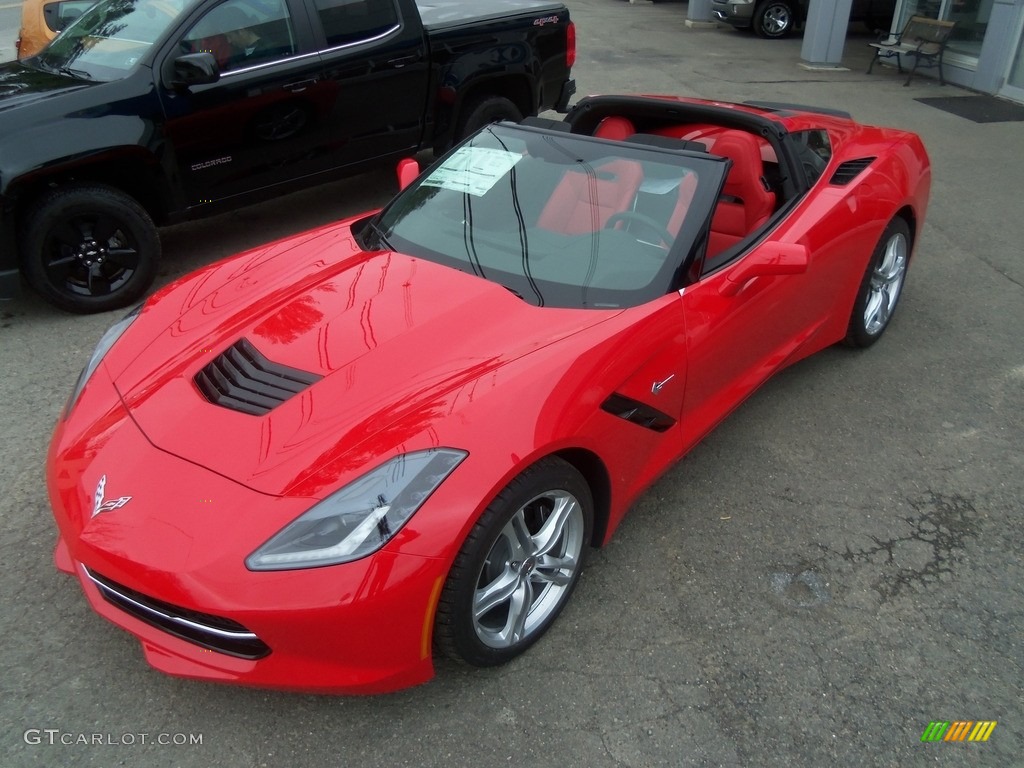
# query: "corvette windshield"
[109,39]
[560,220]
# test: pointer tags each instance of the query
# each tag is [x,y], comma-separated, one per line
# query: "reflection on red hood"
[392,336]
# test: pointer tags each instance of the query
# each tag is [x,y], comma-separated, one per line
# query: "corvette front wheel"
[517,567]
[881,287]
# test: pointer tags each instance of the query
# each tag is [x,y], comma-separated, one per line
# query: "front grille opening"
[213,632]
[242,379]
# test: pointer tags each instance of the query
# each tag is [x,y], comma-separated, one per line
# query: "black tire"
[484,111]
[774,19]
[89,248]
[487,566]
[881,287]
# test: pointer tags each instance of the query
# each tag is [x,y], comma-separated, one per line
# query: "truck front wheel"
[489,109]
[89,248]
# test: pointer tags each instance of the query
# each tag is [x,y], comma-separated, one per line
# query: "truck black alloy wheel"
[89,248]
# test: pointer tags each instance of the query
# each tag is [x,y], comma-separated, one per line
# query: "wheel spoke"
[551,531]
[517,535]
[106,231]
[555,570]
[518,611]
[123,258]
[61,261]
[877,311]
[497,592]
[97,282]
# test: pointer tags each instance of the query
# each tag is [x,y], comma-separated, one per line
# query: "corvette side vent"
[638,413]
[242,379]
[848,171]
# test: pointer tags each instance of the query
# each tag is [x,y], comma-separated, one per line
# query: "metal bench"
[923,38]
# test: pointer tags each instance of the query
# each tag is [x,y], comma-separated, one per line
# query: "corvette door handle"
[300,85]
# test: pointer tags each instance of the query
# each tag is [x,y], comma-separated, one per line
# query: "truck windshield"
[109,39]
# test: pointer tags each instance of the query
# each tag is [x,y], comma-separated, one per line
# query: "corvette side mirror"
[768,259]
[408,169]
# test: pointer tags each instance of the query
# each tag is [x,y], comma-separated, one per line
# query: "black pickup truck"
[148,112]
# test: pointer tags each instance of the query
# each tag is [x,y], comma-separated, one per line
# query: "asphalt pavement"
[836,567]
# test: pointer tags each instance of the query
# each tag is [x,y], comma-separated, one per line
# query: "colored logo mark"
[958,730]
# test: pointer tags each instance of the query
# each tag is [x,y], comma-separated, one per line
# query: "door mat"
[980,109]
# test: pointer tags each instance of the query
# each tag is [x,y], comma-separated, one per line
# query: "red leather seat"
[747,202]
[617,128]
[219,46]
[583,202]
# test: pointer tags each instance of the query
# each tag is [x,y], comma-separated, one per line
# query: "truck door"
[264,121]
[375,63]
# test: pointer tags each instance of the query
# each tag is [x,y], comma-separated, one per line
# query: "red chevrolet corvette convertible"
[315,464]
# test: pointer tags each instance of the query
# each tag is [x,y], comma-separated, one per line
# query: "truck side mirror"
[408,169]
[195,69]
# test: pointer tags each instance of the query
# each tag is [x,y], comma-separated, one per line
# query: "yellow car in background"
[41,20]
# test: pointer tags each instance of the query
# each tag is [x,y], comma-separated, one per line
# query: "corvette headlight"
[107,341]
[360,518]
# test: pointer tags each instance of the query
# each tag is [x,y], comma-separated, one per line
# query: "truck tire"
[89,248]
[774,19]
[484,111]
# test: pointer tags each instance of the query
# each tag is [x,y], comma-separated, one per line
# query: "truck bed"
[444,14]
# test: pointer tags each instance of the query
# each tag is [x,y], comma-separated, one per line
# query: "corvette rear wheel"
[774,19]
[89,248]
[518,566]
[881,287]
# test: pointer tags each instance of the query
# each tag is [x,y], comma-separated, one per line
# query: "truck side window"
[241,34]
[350,21]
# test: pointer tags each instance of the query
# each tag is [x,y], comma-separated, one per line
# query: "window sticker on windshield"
[473,170]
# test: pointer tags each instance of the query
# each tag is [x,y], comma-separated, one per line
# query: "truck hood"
[390,342]
[20,84]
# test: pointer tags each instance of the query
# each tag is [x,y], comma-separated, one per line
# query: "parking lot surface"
[837,566]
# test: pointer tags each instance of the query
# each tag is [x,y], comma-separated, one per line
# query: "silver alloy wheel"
[529,570]
[776,20]
[886,284]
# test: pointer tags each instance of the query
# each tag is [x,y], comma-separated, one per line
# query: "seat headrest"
[616,128]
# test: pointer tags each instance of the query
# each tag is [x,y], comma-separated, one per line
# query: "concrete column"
[699,13]
[825,33]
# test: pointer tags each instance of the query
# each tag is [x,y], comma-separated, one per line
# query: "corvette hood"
[382,339]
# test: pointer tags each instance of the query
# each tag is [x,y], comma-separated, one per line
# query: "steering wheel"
[633,217]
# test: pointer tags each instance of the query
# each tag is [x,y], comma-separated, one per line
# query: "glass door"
[971,17]
[1014,86]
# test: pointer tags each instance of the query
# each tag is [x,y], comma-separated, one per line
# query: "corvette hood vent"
[242,379]
[848,171]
